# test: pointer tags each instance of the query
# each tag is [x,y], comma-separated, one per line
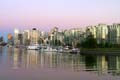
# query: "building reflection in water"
[19,58]
[1,51]
[35,59]
[1,54]
[32,58]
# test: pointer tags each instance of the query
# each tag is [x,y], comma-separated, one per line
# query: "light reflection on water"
[101,67]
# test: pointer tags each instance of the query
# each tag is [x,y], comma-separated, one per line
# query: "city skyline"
[91,27]
[64,14]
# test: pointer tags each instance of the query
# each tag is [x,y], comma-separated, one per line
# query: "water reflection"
[20,58]
[0,54]
[90,61]
[0,51]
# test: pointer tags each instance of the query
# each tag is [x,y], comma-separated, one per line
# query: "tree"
[90,42]
[56,42]
[78,45]
[40,41]
[68,41]
[27,42]
[1,39]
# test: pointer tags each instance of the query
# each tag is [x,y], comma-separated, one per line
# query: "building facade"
[18,37]
[101,33]
[34,36]
[114,34]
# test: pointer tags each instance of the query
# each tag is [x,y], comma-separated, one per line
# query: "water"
[18,64]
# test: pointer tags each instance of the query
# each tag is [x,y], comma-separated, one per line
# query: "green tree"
[90,42]
[59,43]
[56,42]
[27,42]
[40,41]
[68,41]
[1,39]
[78,45]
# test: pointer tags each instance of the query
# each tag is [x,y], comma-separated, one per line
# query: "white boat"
[60,50]
[66,49]
[48,49]
[33,47]
[75,50]
[9,46]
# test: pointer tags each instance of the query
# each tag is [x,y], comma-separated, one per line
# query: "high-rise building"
[34,36]
[26,37]
[114,34]
[18,37]
[16,32]
[91,30]
[102,33]
[73,36]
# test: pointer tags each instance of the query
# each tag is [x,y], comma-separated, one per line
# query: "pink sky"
[45,14]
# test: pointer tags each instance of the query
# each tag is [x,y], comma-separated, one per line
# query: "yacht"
[48,49]
[60,49]
[75,50]
[33,47]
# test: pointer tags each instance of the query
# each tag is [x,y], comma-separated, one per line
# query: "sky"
[65,14]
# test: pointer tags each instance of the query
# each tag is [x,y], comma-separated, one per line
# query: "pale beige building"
[34,36]
[114,34]
[18,37]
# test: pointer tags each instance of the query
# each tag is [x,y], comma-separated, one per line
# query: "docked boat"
[66,49]
[60,50]
[48,49]
[75,50]
[33,47]
[9,46]
[3,44]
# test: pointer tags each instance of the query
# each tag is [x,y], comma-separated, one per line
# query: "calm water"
[16,64]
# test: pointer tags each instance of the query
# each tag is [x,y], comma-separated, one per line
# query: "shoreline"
[101,51]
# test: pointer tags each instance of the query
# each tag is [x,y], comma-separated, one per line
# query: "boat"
[33,47]
[67,49]
[19,46]
[48,49]
[9,46]
[3,44]
[75,50]
[60,49]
